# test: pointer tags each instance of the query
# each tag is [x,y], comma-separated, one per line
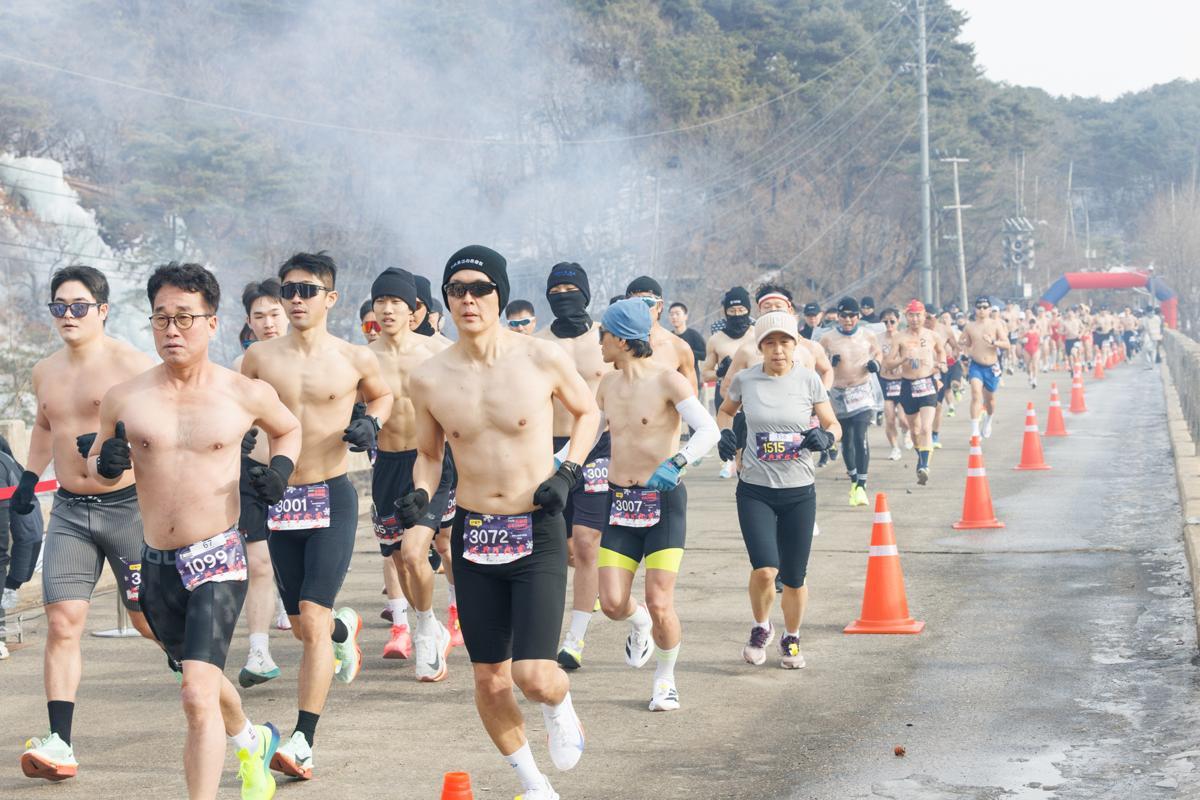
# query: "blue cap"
[628,320]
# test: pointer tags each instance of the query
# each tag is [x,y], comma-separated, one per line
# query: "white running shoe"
[895,454]
[755,651]
[908,442]
[985,429]
[51,759]
[430,652]
[727,469]
[10,599]
[665,698]
[564,735]
[3,650]
[347,655]
[545,793]
[790,656]
[638,647]
[294,758]
[260,668]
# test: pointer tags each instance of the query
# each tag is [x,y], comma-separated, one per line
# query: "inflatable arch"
[1115,280]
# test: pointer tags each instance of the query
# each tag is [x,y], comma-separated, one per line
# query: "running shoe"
[985,429]
[895,455]
[779,580]
[294,758]
[727,470]
[176,669]
[922,476]
[260,668]
[400,644]
[908,442]
[9,600]
[789,652]
[50,758]
[853,495]
[833,453]
[755,651]
[665,697]
[570,655]
[638,646]
[3,650]
[937,444]
[431,651]
[564,735]
[282,623]
[347,655]
[546,792]
[859,494]
[950,412]
[386,614]
[255,770]
[456,639]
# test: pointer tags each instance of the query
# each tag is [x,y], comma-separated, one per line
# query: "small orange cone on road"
[885,607]
[1031,448]
[1078,406]
[1055,426]
[1099,373]
[457,786]
[977,500]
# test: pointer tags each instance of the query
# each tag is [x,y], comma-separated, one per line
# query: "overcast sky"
[1085,47]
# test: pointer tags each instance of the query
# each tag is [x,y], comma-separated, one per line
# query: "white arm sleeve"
[706,434]
[561,455]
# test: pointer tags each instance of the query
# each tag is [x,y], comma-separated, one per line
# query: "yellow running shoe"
[257,781]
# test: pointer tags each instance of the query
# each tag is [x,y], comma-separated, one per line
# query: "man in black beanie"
[867,307]
[490,396]
[568,293]
[669,349]
[724,343]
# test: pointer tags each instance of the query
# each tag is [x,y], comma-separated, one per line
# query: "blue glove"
[665,478]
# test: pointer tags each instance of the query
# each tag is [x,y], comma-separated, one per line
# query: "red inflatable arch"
[1115,280]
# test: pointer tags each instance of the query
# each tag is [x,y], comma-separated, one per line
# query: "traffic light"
[1018,243]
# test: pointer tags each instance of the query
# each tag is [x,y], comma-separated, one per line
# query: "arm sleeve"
[705,432]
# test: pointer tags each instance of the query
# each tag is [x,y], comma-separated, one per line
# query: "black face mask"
[425,328]
[736,327]
[570,314]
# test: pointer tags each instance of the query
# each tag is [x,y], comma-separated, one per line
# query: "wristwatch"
[679,460]
[573,469]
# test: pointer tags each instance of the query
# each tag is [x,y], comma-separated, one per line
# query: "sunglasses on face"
[182,321]
[519,323]
[475,288]
[306,291]
[59,310]
[889,322]
[371,326]
[847,315]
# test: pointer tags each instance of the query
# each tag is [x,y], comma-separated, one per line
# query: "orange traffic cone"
[1111,361]
[457,786]
[1031,448]
[1099,373]
[884,608]
[1078,406]
[977,500]
[1055,426]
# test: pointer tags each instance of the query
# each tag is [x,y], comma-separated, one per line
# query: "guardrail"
[1183,360]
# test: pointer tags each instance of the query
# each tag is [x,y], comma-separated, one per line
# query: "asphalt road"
[1056,660]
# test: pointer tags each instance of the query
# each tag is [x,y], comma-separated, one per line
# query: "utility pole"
[958,209]
[926,244]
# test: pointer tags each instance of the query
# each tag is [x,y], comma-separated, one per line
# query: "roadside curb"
[1187,475]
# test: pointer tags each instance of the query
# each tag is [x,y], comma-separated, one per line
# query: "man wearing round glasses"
[90,522]
[489,396]
[319,377]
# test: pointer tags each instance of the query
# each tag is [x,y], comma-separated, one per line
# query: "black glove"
[552,494]
[22,499]
[84,442]
[361,433]
[872,366]
[817,439]
[360,411]
[269,483]
[835,359]
[114,454]
[727,447]
[248,442]
[412,507]
[723,367]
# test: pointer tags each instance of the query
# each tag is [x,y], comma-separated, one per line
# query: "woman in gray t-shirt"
[776,493]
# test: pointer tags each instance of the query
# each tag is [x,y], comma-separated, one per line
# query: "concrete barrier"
[1181,385]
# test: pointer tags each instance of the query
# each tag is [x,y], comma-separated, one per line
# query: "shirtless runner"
[644,402]
[569,294]
[895,424]
[180,424]
[919,357]
[982,340]
[318,377]
[489,395]
[90,522]
[723,344]
[669,350]
[855,355]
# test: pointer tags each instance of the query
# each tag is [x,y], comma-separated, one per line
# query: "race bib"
[595,476]
[387,529]
[858,398]
[497,538]
[923,387]
[773,446]
[893,388]
[131,579]
[996,368]
[302,508]
[635,508]
[451,509]
[214,560]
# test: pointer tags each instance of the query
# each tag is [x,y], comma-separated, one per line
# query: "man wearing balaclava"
[724,343]
[421,322]
[568,293]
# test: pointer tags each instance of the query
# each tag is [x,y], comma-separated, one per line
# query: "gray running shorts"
[84,532]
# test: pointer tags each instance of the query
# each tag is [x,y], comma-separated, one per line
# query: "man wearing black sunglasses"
[490,396]
[982,340]
[855,355]
[319,377]
[91,522]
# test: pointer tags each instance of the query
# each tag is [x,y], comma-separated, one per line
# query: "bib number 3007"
[497,538]
[214,560]
[635,508]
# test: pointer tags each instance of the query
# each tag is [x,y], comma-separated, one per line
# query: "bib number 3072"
[217,559]
[497,538]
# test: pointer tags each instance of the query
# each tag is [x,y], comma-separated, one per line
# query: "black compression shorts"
[311,564]
[777,527]
[912,404]
[392,478]
[589,509]
[513,610]
[661,544]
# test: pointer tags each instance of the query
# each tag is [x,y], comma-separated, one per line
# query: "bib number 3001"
[497,538]
[635,508]
[302,508]
[214,560]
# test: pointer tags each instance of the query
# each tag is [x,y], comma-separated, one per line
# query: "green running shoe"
[348,655]
[257,781]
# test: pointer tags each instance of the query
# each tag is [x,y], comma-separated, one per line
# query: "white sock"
[246,739]
[527,771]
[453,595]
[665,671]
[399,609]
[425,620]
[554,711]
[641,618]
[260,641]
[579,623]
[765,625]
[795,633]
